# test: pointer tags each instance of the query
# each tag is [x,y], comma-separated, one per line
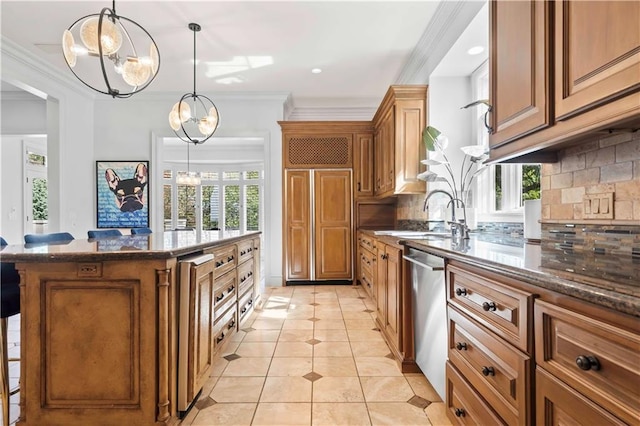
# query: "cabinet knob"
[461,346]
[461,291]
[230,258]
[459,412]
[219,298]
[220,338]
[488,371]
[489,306]
[588,362]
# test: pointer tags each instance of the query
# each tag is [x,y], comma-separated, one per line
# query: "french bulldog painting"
[129,193]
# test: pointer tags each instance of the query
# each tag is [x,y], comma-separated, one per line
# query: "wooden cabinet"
[363,165]
[596,359]
[560,71]
[389,292]
[490,343]
[398,125]
[297,196]
[367,264]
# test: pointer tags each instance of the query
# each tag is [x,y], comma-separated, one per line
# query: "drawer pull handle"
[461,346]
[230,289]
[243,310]
[489,306]
[461,291]
[460,412]
[588,362]
[220,338]
[231,325]
[488,371]
[219,298]
[230,258]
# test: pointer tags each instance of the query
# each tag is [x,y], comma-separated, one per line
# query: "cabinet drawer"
[245,276]
[244,305]
[597,359]
[224,258]
[367,282]
[224,294]
[245,251]
[368,242]
[497,370]
[367,260]
[224,328]
[557,404]
[501,308]
[464,405]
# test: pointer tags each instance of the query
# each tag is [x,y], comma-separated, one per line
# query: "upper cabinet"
[398,125]
[560,71]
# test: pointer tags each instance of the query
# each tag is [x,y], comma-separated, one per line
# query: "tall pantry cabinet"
[318,180]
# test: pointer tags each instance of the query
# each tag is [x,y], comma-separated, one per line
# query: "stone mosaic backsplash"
[608,252]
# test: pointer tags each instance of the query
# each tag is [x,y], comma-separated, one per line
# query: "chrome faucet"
[459,229]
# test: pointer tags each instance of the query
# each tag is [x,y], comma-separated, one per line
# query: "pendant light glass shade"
[194,118]
[111,54]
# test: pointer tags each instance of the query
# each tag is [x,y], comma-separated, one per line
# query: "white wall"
[23,114]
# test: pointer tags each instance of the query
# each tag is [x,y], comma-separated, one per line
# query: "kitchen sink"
[415,235]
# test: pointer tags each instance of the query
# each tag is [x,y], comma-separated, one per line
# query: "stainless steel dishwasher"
[429,316]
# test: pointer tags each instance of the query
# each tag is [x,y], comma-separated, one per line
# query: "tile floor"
[312,356]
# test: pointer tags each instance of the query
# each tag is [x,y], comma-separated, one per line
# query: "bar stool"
[56,237]
[9,306]
[140,231]
[104,233]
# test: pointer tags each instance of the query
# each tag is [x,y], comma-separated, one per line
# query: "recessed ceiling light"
[476,50]
[316,70]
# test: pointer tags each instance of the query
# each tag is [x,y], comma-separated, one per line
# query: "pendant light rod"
[195,28]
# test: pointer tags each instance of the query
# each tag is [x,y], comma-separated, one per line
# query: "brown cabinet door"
[332,216]
[381,284]
[200,352]
[519,69]
[393,258]
[364,165]
[298,225]
[597,53]
[558,404]
[388,167]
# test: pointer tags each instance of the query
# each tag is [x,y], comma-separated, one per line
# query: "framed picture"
[122,189]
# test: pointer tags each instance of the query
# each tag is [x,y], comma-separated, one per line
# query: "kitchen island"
[100,322]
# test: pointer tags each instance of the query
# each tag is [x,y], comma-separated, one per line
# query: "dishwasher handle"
[422,264]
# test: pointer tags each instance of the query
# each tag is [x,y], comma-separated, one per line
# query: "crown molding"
[332,114]
[12,51]
[448,22]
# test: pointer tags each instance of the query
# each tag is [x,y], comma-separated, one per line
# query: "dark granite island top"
[531,264]
[153,246]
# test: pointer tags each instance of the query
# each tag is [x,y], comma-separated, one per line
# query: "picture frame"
[122,194]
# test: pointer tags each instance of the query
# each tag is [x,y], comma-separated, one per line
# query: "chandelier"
[189,178]
[194,118]
[124,69]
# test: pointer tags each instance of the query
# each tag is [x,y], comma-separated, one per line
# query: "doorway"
[36,193]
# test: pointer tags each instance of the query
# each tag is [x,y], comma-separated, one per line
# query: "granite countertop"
[530,263]
[153,246]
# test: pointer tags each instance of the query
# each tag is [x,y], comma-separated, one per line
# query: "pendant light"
[124,62]
[189,178]
[194,118]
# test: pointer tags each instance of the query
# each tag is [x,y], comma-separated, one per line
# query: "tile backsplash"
[606,164]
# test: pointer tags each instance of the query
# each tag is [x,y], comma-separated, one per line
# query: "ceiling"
[253,46]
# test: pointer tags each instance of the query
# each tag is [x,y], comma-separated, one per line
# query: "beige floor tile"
[229,348]
[422,387]
[282,414]
[275,305]
[302,300]
[295,335]
[290,366]
[262,336]
[364,348]
[330,349]
[226,414]
[324,312]
[335,367]
[337,389]
[268,324]
[256,349]
[237,389]
[219,364]
[360,324]
[273,313]
[237,337]
[353,307]
[297,324]
[437,414]
[293,349]
[286,389]
[329,324]
[386,389]
[342,414]
[247,367]
[304,314]
[331,335]
[356,315]
[376,366]
[364,335]
[396,413]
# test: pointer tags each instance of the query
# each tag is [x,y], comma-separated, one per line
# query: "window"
[230,200]
[510,184]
